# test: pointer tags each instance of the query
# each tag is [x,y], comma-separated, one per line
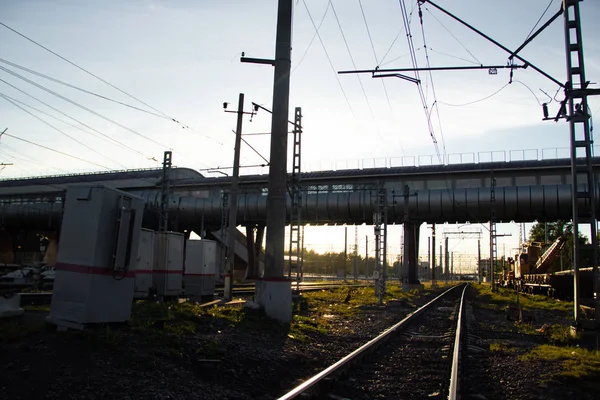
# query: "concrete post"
[274,292]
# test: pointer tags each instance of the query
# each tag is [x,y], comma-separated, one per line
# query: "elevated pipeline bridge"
[524,191]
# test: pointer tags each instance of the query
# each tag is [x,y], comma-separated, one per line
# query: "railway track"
[417,358]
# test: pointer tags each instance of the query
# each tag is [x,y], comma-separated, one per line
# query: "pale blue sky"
[182,57]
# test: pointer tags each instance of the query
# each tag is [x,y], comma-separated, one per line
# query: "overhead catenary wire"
[475,101]
[437,109]
[418,78]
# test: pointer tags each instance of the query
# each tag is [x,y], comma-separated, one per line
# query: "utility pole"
[3,165]
[355,253]
[452,266]
[447,261]
[441,259]
[233,199]
[429,252]
[272,293]
[433,266]
[345,250]
[479,274]
[367,257]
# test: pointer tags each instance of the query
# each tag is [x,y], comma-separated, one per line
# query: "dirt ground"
[180,351]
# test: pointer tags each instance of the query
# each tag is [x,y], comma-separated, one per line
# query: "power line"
[108,83]
[24,158]
[62,132]
[328,58]
[540,19]
[313,37]
[352,59]
[78,88]
[455,38]
[74,119]
[81,106]
[387,97]
[55,151]
[453,56]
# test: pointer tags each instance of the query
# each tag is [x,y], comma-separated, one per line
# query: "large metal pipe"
[519,204]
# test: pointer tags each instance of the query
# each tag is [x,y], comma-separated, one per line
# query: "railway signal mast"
[574,108]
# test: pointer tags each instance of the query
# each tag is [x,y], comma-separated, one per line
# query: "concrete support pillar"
[7,254]
[254,240]
[52,249]
[411,252]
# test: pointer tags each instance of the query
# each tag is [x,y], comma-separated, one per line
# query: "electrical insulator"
[545,109]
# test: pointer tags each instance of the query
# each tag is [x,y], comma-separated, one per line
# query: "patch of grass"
[576,363]
[560,335]
[501,347]
[14,330]
[232,314]
[504,297]
[301,326]
[527,329]
[180,327]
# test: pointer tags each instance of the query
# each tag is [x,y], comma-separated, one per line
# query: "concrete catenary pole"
[273,294]
[233,203]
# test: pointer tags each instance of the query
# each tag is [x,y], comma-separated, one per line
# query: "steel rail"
[454,390]
[370,345]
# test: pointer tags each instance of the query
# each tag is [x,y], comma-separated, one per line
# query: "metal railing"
[552,153]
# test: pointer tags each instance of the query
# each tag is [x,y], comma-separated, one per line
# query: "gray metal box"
[144,264]
[167,273]
[96,256]
[200,267]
